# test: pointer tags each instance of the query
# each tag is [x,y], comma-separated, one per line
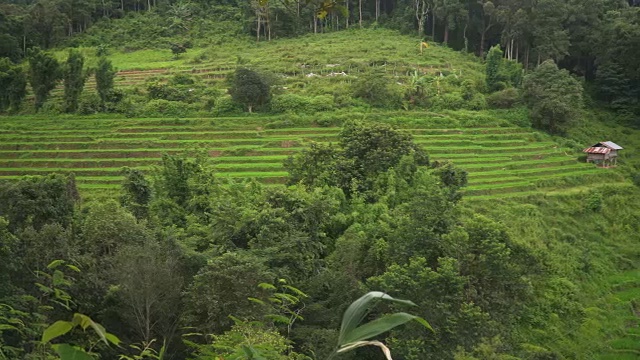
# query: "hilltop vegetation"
[229,177]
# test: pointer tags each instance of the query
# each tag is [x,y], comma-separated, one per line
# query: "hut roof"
[597,150]
[608,144]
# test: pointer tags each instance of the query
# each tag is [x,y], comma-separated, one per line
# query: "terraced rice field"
[503,161]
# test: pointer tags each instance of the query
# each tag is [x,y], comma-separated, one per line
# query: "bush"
[225,105]
[166,108]
[89,104]
[321,103]
[449,101]
[301,104]
[504,99]
[374,88]
[158,91]
[289,102]
[478,102]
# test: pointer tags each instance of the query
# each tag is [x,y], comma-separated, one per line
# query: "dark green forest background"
[594,39]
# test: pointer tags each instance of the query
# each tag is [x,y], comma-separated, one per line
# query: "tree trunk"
[377,9]
[268,25]
[446,32]
[258,21]
[466,40]
[346,4]
[360,12]
[433,24]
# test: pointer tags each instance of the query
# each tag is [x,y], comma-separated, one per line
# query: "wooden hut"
[604,153]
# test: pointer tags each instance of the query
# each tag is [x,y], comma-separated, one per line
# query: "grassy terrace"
[501,161]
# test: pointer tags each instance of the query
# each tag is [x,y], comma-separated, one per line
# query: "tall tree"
[249,89]
[551,39]
[553,96]
[13,85]
[74,77]
[44,74]
[452,13]
[105,73]
[150,287]
[494,60]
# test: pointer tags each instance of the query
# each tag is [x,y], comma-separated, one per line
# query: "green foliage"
[501,73]
[494,62]
[553,96]
[74,78]
[104,75]
[136,192]
[365,151]
[375,88]
[594,202]
[249,88]
[44,74]
[39,200]
[301,104]
[223,287]
[177,49]
[505,99]
[13,86]
[354,335]
[248,340]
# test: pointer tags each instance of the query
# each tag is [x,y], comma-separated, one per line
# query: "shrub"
[321,103]
[225,105]
[374,88]
[594,202]
[162,107]
[477,102]
[89,104]
[449,101]
[158,91]
[289,102]
[504,99]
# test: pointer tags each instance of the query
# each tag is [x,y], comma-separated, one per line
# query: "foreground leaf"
[56,329]
[68,352]
[379,326]
[357,311]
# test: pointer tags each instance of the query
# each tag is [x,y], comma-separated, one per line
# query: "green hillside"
[519,250]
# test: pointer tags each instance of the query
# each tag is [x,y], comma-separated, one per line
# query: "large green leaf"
[56,329]
[379,326]
[84,321]
[357,311]
[68,352]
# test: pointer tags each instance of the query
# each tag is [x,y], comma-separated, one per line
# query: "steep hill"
[579,221]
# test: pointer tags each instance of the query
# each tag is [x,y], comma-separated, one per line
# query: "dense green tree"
[149,286]
[13,86]
[249,89]
[551,39]
[105,73]
[494,62]
[553,96]
[74,77]
[366,150]
[38,200]
[136,192]
[222,288]
[44,74]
